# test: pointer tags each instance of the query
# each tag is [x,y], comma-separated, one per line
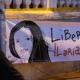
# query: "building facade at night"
[16,4]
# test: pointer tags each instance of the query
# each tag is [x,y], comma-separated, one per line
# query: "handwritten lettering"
[67,52]
[66,36]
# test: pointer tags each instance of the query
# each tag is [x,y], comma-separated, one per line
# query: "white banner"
[42,41]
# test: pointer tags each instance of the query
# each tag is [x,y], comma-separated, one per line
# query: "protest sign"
[42,41]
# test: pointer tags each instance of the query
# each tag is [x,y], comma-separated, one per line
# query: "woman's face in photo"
[23,43]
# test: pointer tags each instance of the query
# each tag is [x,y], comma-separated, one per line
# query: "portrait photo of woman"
[31,46]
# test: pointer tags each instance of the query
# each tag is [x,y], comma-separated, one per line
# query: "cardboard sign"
[42,41]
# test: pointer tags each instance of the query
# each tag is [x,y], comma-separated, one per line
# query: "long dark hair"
[40,49]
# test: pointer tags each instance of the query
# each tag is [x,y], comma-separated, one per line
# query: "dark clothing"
[7,71]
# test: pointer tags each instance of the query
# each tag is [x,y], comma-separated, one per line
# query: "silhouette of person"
[7,71]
